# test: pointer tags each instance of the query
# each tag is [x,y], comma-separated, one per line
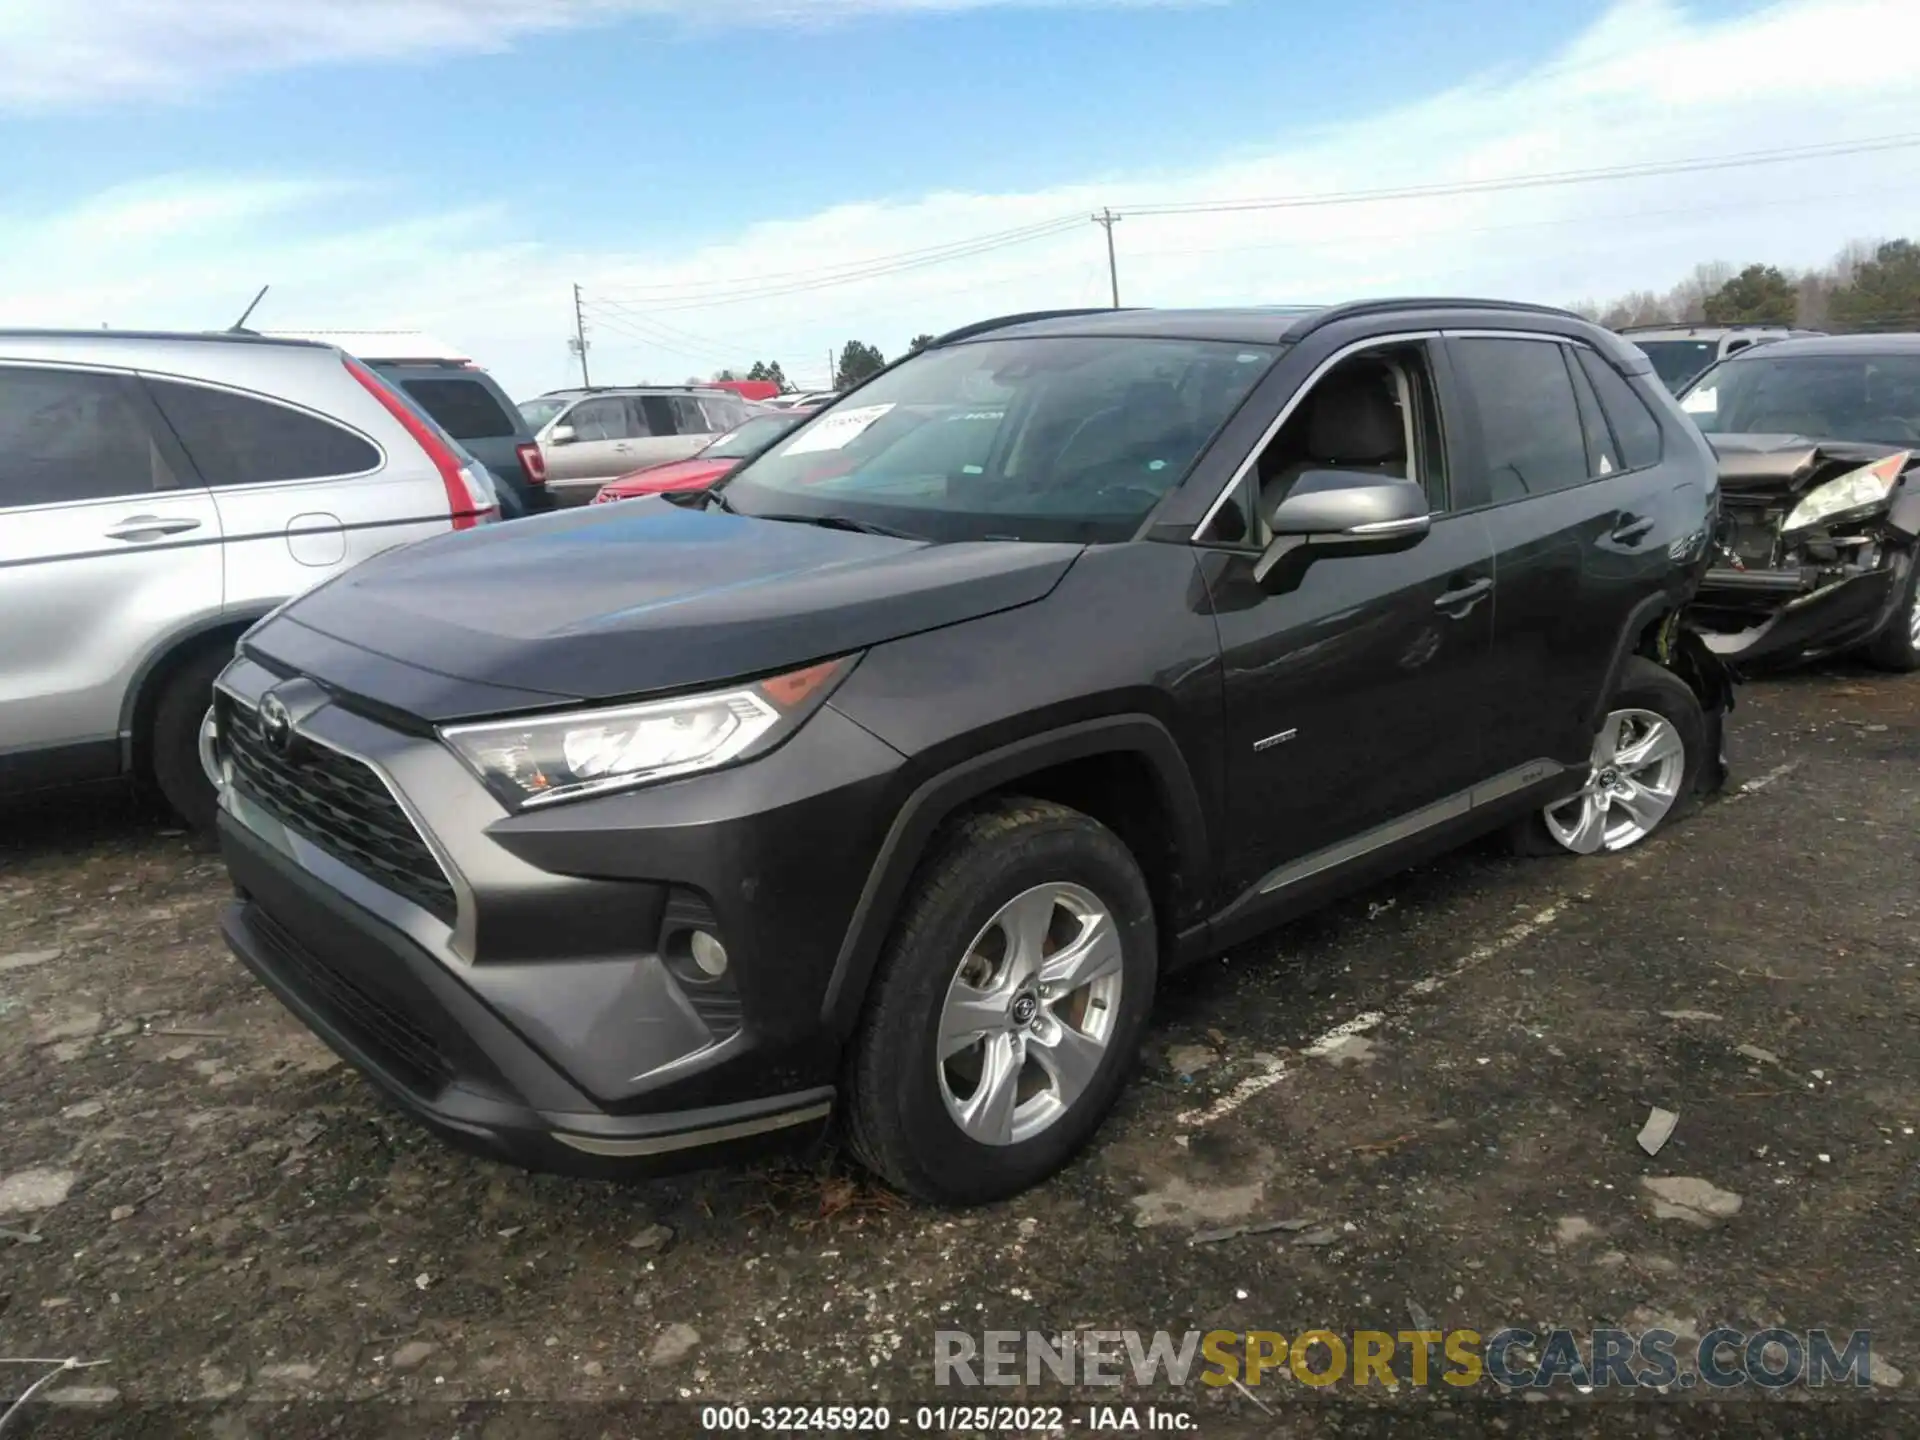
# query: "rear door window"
[66,435]
[658,412]
[606,418]
[1633,424]
[236,439]
[465,409]
[1530,433]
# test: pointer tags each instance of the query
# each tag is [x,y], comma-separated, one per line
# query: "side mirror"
[1329,513]
[561,435]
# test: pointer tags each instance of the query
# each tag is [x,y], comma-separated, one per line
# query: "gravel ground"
[1438,1082]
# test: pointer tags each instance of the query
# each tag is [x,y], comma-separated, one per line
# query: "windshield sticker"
[837,430]
[1702,402]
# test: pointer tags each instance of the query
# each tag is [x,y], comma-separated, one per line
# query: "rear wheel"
[1008,1006]
[1645,766]
[1897,646]
[175,739]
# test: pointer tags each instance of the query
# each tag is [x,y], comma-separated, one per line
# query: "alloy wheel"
[1639,762]
[1913,618]
[1029,1014]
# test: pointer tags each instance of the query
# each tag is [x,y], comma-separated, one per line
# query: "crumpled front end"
[1780,590]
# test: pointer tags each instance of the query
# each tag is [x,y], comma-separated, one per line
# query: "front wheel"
[1008,1006]
[1646,764]
[1897,646]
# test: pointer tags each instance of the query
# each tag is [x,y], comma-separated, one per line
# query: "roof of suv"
[1898,343]
[577,392]
[1286,324]
[211,337]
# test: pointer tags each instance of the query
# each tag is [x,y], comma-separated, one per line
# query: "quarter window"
[240,440]
[1530,432]
[67,435]
[687,418]
[1603,455]
[1634,426]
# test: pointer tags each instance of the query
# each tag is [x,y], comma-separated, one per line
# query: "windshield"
[1071,439]
[750,438]
[1678,361]
[539,412]
[1870,398]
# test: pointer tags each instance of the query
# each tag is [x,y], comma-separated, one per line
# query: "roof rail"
[982,327]
[1353,308]
[1707,325]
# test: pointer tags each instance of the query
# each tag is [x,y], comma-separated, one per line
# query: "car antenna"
[239,327]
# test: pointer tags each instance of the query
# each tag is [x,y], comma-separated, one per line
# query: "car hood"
[1787,464]
[676,475]
[608,602]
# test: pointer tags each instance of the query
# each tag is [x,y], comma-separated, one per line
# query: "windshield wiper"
[715,497]
[842,522]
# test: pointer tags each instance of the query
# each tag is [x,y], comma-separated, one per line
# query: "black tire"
[1893,648]
[174,742]
[897,1121]
[1644,685]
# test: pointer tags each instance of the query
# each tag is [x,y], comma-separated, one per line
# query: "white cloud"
[84,52]
[1647,83]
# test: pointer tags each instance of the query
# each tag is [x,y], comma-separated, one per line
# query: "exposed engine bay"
[1814,548]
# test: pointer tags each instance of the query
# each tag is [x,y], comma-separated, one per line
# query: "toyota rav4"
[889,778]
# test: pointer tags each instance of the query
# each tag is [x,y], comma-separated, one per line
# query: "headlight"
[544,759]
[1864,489]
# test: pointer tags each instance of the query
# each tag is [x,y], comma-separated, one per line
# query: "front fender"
[936,799]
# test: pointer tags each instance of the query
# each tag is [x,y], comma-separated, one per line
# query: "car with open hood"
[890,778]
[1820,526]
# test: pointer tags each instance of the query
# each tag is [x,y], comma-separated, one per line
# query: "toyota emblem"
[276,724]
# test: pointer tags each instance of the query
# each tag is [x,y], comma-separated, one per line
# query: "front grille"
[339,804]
[1751,533]
[389,1034]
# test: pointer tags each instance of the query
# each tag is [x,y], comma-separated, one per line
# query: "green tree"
[858,362]
[1884,293]
[727,375]
[772,373]
[1759,294]
[920,342]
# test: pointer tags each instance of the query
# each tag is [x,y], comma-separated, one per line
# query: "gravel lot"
[195,1192]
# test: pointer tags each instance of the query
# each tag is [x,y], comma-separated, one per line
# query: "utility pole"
[1106,220]
[833,371]
[580,339]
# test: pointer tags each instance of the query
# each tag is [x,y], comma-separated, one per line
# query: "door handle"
[1465,598]
[1632,528]
[151,527]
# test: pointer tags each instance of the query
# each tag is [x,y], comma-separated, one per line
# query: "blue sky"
[458,164]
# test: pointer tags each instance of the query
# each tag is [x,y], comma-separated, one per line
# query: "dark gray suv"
[893,775]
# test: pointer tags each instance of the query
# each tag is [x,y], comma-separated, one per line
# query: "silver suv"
[588,437]
[158,495]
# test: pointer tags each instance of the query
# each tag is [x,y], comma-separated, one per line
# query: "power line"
[930,252]
[698,301]
[1739,160]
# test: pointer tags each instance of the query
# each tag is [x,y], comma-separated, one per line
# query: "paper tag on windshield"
[836,431]
[1701,402]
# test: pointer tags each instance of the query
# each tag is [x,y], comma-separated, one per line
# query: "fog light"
[709,954]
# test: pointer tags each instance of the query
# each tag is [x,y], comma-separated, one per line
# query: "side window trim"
[1251,459]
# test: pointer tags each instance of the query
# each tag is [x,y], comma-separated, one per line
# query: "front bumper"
[529,1002]
[1739,623]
